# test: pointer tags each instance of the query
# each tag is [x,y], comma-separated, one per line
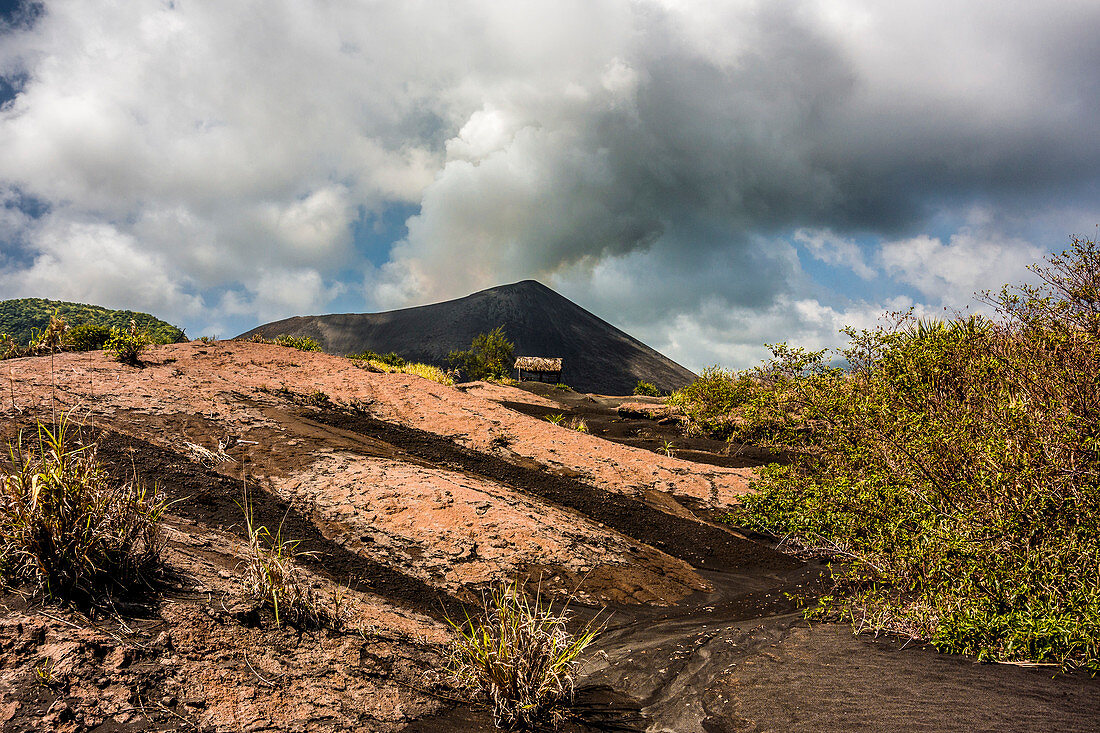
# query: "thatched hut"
[538,369]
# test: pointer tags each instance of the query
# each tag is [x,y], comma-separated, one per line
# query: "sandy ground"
[413,498]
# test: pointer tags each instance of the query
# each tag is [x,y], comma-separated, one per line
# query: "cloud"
[282,293]
[953,272]
[657,161]
[827,247]
[735,337]
[96,263]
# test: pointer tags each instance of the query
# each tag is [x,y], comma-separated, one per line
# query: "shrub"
[302,343]
[88,337]
[579,424]
[66,529]
[272,578]
[646,389]
[125,346]
[519,658]
[709,402]
[491,356]
[954,468]
[391,359]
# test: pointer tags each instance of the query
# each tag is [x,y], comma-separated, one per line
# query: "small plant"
[667,448]
[66,529]
[271,577]
[126,346]
[303,343]
[579,424]
[519,658]
[9,348]
[563,387]
[557,419]
[258,338]
[49,339]
[646,389]
[210,339]
[391,363]
[87,337]
[317,398]
[44,673]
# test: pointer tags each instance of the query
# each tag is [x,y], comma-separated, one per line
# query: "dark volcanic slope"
[598,357]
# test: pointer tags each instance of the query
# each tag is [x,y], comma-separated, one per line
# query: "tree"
[490,356]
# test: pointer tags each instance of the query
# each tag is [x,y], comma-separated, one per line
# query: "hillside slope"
[19,318]
[598,357]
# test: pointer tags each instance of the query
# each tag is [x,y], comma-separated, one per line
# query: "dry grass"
[66,529]
[427,371]
[519,658]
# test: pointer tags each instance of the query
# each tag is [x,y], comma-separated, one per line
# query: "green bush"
[954,468]
[302,343]
[646,389]
[392,359]
[66,529]
[710,401]
[125,346]
[88,337]
[491,356]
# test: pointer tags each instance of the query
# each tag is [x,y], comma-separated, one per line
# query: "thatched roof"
[538,364]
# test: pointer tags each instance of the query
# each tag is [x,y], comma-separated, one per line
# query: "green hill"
[19,319]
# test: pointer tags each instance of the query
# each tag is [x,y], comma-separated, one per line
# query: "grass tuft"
[272,578]
[519,658]
[66,529]
[428,371]
[386,365]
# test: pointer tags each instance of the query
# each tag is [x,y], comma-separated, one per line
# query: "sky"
[710,177]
